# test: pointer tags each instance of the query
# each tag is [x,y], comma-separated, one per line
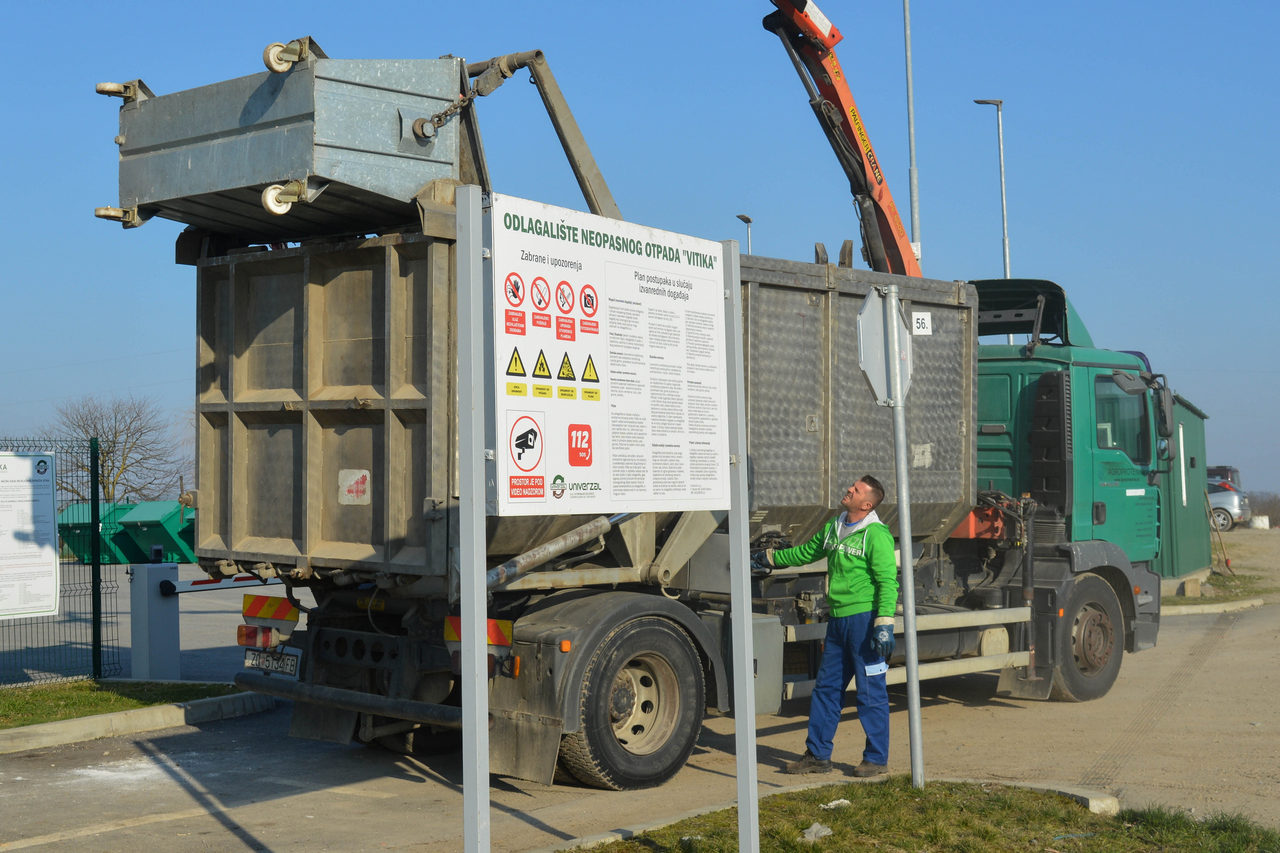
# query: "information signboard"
[28,536]
[609,361]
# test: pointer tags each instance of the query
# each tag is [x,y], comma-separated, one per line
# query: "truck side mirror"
[1164,412]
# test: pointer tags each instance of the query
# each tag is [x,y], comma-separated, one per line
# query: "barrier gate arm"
[171,587]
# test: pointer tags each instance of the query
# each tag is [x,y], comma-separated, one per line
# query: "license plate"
[282,663]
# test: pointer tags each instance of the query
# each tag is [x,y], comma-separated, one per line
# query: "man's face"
[858,498]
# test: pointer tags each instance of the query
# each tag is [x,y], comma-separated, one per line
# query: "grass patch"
[1229,586]
[1225,586]
[46,703]
[966,818]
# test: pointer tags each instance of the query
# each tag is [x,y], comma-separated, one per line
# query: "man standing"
[862,590]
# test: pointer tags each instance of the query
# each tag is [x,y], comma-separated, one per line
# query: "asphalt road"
[1190,724]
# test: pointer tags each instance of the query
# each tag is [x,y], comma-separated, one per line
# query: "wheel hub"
[622,700]
[644,704]
[1094,640]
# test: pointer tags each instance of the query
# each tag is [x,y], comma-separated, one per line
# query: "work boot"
[867,769]
[807,763]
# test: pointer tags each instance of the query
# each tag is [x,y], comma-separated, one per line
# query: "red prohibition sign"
[564,297]
[540,292]
[590,302]
[513,289]
[525,443]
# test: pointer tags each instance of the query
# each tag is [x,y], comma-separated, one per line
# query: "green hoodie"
[862,574]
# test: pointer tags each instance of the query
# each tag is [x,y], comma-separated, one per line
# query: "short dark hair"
[877,488]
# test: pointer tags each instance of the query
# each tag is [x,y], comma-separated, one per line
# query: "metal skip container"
[326,146]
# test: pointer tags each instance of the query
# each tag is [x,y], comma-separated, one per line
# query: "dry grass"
[968,818]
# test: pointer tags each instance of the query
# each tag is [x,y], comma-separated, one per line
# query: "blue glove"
[882,639]
[761,563]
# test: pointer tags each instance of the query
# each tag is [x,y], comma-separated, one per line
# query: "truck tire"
[1089,641]
[643,696]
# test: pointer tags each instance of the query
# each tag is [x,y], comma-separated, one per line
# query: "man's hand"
[882,637]
[762,563]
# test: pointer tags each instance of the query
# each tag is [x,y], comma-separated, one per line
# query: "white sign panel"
[28,536]
[609,365]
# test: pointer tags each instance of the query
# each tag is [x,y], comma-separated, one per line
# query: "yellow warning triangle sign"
[515,367]
[566,370]
[540,369]
[589,371]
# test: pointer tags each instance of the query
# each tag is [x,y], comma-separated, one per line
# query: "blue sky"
[1139,140]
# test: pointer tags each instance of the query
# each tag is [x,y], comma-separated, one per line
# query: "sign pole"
[472,404]
[744,700]
[897,399]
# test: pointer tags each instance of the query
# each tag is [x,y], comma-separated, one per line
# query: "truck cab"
[1085,432]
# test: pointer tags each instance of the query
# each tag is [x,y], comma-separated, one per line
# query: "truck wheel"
[642,701]
[1089,642]
[1222,520]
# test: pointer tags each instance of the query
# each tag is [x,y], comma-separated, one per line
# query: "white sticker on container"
[921,323]
[877,668]
[354,487]
[922,456]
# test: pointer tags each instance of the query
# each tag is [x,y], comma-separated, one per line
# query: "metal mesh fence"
[82,640]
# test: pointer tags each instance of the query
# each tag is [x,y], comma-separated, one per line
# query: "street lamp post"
[747,219]
[911,134]
[1004,210]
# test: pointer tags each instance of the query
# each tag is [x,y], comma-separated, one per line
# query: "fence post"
[95,555]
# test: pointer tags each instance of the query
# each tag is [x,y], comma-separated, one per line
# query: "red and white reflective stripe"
[219,583]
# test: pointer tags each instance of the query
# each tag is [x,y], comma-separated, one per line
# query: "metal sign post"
[744,699]
[472,402]
[884,353]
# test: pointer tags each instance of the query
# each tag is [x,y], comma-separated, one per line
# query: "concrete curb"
[1095,801]
[1217,607]
[132,722]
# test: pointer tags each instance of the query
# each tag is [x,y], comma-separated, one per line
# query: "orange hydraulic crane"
[810,38]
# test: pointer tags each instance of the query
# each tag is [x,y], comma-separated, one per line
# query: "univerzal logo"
[559,486]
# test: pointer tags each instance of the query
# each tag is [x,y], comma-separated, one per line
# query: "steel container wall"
[203,156]
[814,425]
[326,395]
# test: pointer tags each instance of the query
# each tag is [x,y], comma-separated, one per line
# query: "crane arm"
[809,39]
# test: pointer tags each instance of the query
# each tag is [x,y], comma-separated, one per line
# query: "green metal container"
[165,523]
[76,529]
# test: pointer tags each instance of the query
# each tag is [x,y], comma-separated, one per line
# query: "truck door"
[1125,508]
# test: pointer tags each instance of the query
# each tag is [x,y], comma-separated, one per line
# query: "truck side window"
[1122,420]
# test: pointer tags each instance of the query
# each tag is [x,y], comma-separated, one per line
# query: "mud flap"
[524,712]
[317,722]
[1014,684]
[524,745]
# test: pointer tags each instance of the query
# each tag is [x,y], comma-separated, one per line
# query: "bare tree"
[140,458]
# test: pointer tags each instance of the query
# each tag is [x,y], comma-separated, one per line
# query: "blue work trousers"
[846,657]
